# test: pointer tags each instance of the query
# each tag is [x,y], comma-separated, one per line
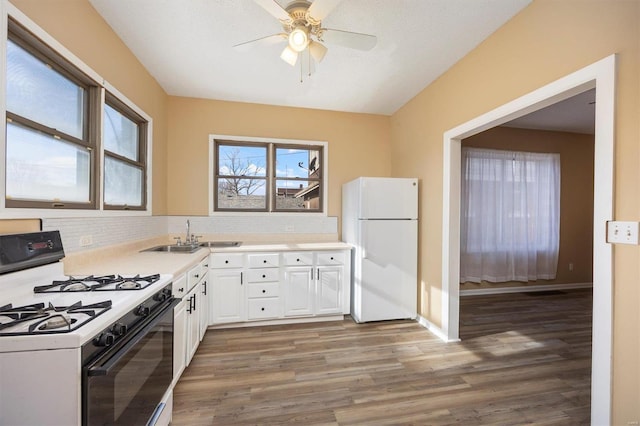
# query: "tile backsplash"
[89,233]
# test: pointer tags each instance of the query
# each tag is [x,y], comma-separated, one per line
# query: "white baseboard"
[523,289]
[434,329]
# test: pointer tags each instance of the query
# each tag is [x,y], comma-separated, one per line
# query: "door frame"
[601,76]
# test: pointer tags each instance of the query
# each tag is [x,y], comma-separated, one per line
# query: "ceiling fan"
[302,25]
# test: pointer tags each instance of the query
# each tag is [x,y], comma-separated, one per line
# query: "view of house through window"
[253,176]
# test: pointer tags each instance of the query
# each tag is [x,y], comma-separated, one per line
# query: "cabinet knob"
[196,275]
[264,261]
[297,260]
[226,261]
[331,257]
[264,291]
[181,289]
[264,276]
[262,309]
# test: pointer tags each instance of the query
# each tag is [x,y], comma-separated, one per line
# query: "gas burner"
[128,285]
[76,286]
[57,321]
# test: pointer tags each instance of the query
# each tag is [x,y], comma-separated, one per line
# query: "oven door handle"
[104,369]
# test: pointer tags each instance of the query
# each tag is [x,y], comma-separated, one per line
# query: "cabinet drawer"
[263,275]
[265,260]
[224,260]
[331,258]
[264,308]
[302,258]
[257,290]
[194,275]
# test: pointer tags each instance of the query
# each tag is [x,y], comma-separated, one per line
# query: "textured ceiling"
[187,46]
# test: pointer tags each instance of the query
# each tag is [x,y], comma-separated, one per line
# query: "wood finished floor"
[523,359]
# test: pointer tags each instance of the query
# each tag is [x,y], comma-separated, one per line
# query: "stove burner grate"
[51,319]
[98,283]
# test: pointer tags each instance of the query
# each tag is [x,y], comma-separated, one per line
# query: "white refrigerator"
[380,220]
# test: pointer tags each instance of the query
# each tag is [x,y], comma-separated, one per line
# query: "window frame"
[121,107]
[22,37]
[271,144]
[72,65]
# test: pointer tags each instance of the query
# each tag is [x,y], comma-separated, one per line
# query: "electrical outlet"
[619,232]
[86,240]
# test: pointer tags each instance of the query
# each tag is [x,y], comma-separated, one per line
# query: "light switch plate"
[619,232]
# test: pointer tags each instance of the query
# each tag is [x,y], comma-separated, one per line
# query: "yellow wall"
[78,27]
[546,41]
[576,194]
[358,144]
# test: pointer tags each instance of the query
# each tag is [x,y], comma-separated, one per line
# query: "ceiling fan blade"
[319,9]
[317,50]
[348,39]
[289,55]
[274,9]
[264,41]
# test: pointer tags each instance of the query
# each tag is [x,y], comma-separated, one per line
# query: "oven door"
[125,385]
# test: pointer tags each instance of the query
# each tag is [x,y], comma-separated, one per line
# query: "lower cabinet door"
[227,302]
[329,290]
[193,322]
[298,291]
[179,339]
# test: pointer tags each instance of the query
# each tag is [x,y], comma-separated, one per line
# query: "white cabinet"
[263,286]
[179,331]
[330,282]
[299,292]
[203,308]
[227,301]
[193,323]
[278,285]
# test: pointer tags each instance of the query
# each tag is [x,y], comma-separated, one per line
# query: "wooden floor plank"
[523,359]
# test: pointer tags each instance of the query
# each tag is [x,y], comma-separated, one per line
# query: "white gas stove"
[65,342]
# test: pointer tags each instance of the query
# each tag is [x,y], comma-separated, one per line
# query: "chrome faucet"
[188,239]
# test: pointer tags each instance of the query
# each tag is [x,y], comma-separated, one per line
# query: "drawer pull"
[226,261]
[331,257]
[264,291]
[297,260]
[196,275]
[264,261]
[181,289]
[262,309]
[264,276]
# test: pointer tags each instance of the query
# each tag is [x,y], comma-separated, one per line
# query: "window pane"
[42,168]
[37,92]
[241,194]
[247,161]
[297,195]
[120,134]
[122,183]
[296,162]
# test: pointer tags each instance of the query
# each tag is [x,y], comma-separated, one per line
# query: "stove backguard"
[24,251]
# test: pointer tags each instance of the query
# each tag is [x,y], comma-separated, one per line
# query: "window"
[510,215]
[54,114]
[124,156]
[268,176]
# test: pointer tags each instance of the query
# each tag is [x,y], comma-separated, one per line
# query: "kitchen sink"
[220,244]
[173,248]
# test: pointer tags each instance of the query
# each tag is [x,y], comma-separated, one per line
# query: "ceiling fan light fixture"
[299,39]
[289,55]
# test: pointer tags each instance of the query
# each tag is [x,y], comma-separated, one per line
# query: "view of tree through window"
[267,177]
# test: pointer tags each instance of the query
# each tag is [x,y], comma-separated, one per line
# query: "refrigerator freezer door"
[385,284]
[388,198]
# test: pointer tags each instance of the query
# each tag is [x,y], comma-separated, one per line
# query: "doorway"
[599,76]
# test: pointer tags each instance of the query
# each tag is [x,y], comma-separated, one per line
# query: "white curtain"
[510,215]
